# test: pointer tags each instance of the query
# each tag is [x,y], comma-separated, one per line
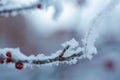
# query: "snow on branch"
[15,6]
[70,54]
[8,6]
[92,33]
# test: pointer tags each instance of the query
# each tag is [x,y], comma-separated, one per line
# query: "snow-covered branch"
[70,55]
[10,10]
[15,6]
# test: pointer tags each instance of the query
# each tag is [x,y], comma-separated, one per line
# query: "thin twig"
[18,9]
[59,58]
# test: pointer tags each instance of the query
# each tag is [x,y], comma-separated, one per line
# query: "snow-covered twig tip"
[70,55]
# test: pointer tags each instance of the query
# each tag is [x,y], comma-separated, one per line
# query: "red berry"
[39,6]
[9,54]
[19,65]
[8,60]
[110,65]
[1,62]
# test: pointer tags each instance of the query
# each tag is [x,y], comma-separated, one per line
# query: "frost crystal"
[73,43]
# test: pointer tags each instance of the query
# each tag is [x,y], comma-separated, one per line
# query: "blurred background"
[36,32]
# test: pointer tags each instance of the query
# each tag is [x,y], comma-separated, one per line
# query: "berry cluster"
[18,65]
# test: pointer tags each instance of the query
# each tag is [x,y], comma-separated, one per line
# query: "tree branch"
[59,58]
[17,9]
[25,7]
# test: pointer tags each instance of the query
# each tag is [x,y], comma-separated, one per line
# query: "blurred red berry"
[110,65]
[80,2]
[1,62]
[19,65]
[8,54]
[8,60]
[39,6]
